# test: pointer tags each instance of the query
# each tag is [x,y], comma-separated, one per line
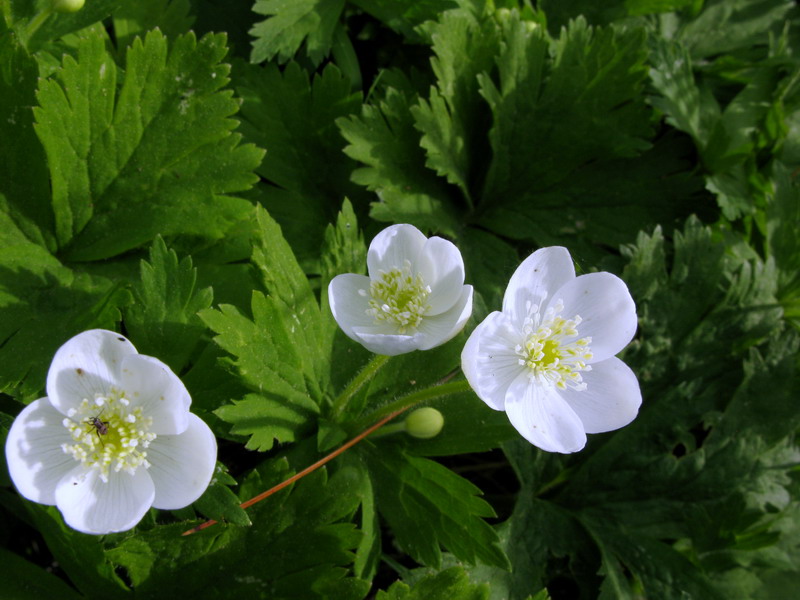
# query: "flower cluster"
[547,359]
[113,437]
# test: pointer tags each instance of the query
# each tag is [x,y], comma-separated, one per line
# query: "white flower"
[113,437]
[548,358]
[413,299]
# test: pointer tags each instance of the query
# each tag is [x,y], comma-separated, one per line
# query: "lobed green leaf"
[163,321]
[292,23]
[306,173]
[416,495]
[449,584]
[162,141]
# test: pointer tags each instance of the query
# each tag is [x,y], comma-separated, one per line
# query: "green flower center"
[551,349]
[108,434]
[399,297]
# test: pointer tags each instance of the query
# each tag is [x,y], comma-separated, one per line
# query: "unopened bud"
[424,423]
[67,6]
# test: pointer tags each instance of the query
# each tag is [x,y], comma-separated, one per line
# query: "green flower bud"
[424,423]
[67,6]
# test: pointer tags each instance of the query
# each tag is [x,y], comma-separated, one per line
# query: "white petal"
[348,306]
[442,268]
[182,465]
[536,279]
[443,327]
[85,365]
[91,505]
[151,384]
[390,344]
[489,361]
[543,418]
[611,399]
[36,461]
[392,247]
[607,309]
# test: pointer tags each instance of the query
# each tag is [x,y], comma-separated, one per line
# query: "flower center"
[108,434]
[398,297]
[551,350]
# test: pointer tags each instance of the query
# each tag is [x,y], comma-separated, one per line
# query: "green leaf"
[384,138]
[292,23]
[783,212]
[308,544]
[490,262]
[417,372]
[700,462]
[137,18]
[660,568]
[368,553]
[447,119]
[469,426]
[724,26]
[210,383]
[733,140]
[163,321]
[406,16]
[282,353]
[23,168]
[601,203]
[734,300]
[219,502]
[58,25]
[560,12]
[42,305]
[22,580]
[450,584]
[343,251]
[775,373]
[155,156]
[591,87]
[79,554]
[294,119]
[687,107]
[558,538]
[267,420]
[426,504]
[294,303]
[268,364]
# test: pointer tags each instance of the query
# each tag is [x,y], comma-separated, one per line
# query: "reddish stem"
[307,470]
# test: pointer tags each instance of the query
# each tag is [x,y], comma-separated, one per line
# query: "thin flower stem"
[37,22]
[431,393]
[558,480]
[365,375]
[390,430]
[307,470]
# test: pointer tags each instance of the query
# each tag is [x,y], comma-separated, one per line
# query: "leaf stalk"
[364,376]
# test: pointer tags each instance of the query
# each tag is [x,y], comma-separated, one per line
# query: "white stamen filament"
[550,351]
[398,297]
[107,438]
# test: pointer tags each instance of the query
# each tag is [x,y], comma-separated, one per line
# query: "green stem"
[559,479]
[366,375]
[431,393]
[389,430]
[37,22]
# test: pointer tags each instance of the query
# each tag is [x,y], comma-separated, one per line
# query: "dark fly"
[100,426]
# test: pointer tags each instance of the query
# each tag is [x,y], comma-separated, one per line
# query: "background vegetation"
[192,174]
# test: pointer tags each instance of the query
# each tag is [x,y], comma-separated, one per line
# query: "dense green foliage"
[194,173]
